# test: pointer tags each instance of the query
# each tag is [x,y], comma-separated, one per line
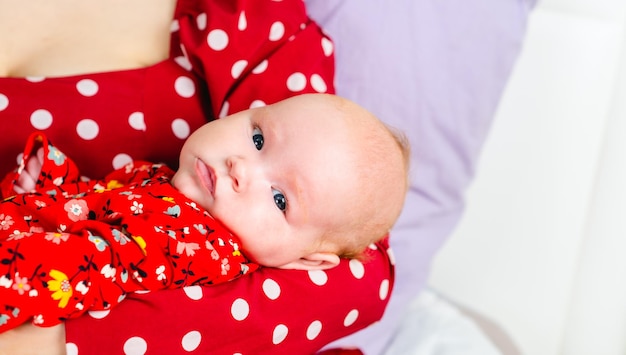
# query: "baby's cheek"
[242,223]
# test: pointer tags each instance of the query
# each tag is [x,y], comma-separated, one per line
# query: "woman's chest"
[68,37]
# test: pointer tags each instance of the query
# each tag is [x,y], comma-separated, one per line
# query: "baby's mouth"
[206,174]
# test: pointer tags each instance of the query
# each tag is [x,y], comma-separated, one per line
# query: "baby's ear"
[314,261]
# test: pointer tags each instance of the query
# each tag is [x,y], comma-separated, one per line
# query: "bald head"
[378,168]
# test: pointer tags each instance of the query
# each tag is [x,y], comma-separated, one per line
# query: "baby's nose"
[237,172]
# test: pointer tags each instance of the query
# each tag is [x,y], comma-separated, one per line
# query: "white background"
[541,249]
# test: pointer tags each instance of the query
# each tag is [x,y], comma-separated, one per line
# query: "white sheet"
[433,326]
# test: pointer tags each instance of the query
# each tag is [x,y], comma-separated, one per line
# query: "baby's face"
[276,176]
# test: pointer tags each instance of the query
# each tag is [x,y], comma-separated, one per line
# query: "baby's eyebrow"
[269,129]
[297,197]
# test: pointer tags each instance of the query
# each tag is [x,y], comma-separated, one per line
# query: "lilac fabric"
[435,69]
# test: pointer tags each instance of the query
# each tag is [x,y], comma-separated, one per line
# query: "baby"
[295,185]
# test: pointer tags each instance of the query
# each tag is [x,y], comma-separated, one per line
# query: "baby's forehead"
[327,120]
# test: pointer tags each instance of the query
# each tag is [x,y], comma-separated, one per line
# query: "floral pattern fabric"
[75,245]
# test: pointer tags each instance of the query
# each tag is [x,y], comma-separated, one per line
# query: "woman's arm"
[28,339]
[270,311]
[251,53]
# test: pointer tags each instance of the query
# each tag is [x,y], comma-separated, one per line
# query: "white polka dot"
[184,50]
[87,129]
[135,346]
[174,26]
[217,40]
[318,83]
[319,277]
[87,87]
[137,121]
[35,79]
[392,256]
[357,268]
[271,289]
[313,330]
[384,289]
[351,318]
[296,82]
[120,160]
[280,333]
[277,31]
[240,309]
[99,314]
[183,62]
[193,292]
[224,110]
[242,24]
[238,68]
[4,102]
[181,128]
[71,349]
[191,340]
[260,68]
[327,46]
[184,87]
[138,291]
[257,103]
[201,21]
[41,119]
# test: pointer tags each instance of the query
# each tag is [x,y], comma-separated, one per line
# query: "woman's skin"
[28,339]
[69,37]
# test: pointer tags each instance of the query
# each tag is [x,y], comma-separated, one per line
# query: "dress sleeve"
[60,173]
[267,312]
[252,53]
[57,168]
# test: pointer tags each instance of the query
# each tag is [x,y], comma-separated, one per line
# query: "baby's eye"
[279,200]
[257,138]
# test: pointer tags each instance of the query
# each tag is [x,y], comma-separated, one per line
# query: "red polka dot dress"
[225,56]
[74,246]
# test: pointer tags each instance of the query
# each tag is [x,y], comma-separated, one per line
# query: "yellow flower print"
[110,185]
[167,199]
[114,184]
[61,287]
[141,242]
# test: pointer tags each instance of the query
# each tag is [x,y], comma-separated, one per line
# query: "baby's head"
[300,182]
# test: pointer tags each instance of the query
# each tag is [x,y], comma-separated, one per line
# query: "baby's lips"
[207,176]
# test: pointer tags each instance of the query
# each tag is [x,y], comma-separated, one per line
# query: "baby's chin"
[174,180]
[185,187]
